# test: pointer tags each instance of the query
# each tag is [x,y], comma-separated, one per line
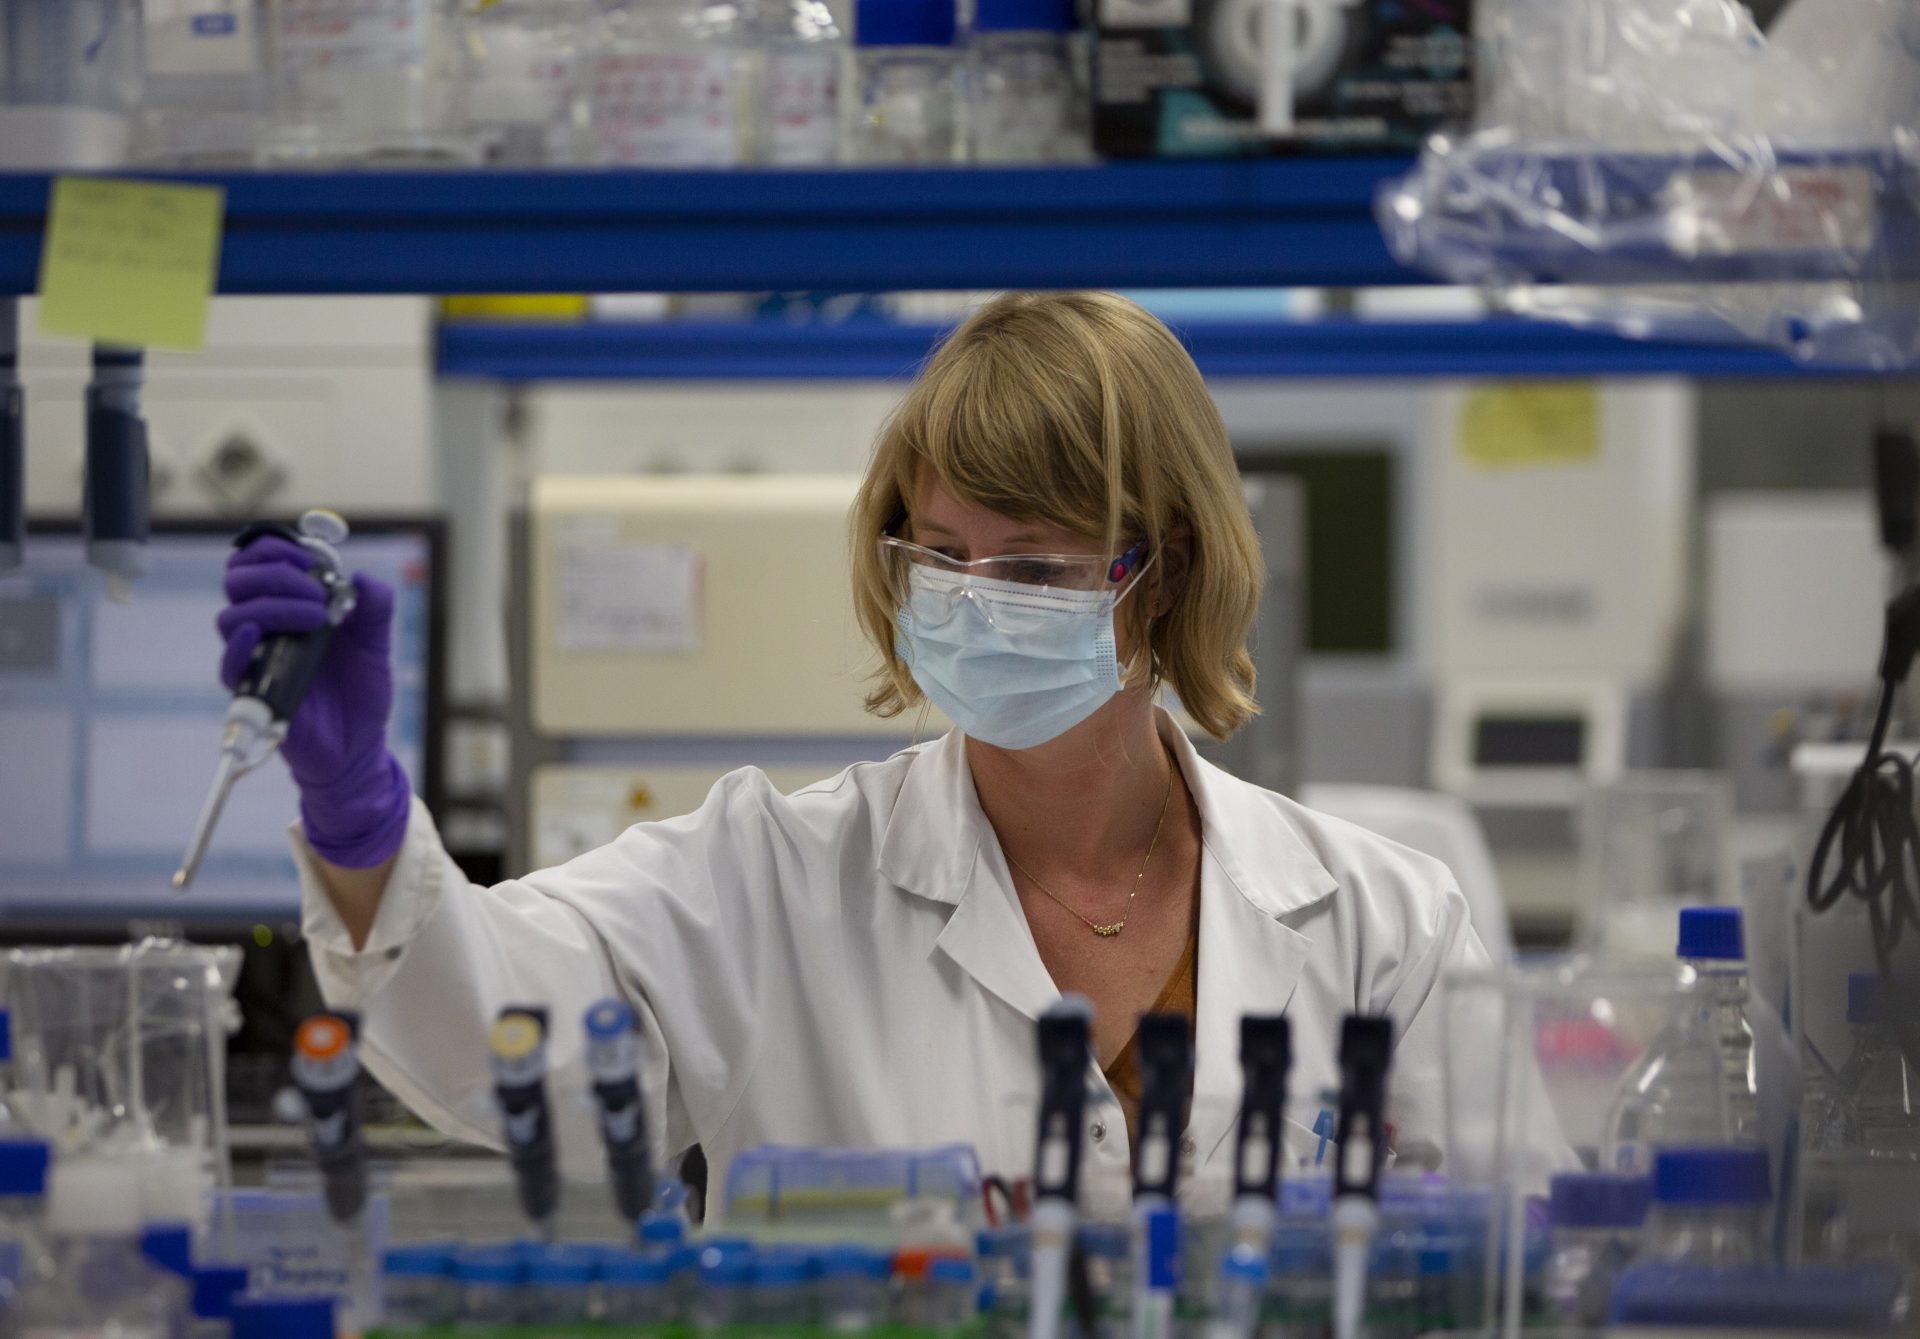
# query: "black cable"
[1872,837]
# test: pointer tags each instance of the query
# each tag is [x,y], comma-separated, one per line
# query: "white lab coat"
[849,966]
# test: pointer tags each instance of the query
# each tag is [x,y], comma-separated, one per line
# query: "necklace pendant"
[1109,931]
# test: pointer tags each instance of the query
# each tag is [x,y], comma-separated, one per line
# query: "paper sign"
[130,262]
[617,596]
[1540,423]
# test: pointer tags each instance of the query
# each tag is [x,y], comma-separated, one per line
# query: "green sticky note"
[130,262]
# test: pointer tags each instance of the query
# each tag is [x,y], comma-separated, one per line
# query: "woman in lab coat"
[860,963]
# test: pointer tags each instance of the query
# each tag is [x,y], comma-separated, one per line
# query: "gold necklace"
[1113,928]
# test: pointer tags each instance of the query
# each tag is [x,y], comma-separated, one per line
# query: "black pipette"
[1266,1051]
[277,676]
[326,1069]
[518,1043]
[1065,1034]
[1166,1091]
[613,1059]
[1366,1049]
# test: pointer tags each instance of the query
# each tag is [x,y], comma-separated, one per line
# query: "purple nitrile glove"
[354,796]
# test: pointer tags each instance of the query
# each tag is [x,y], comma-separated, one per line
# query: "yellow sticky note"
[130,262]
[1533,423]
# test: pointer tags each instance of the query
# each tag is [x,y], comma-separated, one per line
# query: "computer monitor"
[110,727]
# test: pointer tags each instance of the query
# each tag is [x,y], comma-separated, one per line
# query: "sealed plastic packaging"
[1719,183]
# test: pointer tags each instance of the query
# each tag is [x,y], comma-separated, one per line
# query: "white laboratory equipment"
[366,81]
[1026,100]
[205,102]
[902,104]
[1709,1206]
[796,117]
[71,81]
[1694,1083]
[526,99]
[670,84]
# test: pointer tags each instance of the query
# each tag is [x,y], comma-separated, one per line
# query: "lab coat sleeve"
[654,917]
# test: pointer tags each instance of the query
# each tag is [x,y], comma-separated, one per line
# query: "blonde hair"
[1079,410]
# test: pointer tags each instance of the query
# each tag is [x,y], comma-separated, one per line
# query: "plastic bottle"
[725,1292]
[668,84]
[797,115]
[489,1281]
[1242,1295]
[1597,1220]
[419,1286]
[1694,1083]
[1709,1207]
[72,75]
[853,1289]
[97,1282]
[556,1284]
[638,1289]
[900,104]
[526,99]
[366,80]
[23,1202]
[1025,103]
[205,102]
[1880,1089]
[952,1296]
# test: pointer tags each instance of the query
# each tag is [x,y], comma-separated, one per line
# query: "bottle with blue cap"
[1878,1085]
[1709,1206]
[489,1279]
[668,83]
[557,1283]
[1597,1222]
[418,1286]
[780,1294]
[97,1281]
[1694,1084]
[637,1288]
[24,1163]
[1006,1284]
[1027,102]
[901,105]
[726,1280]
[853,1288]
[797,111]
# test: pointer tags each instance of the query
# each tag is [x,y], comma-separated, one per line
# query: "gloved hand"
[354,796]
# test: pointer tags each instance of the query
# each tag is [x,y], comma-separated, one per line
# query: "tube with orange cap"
[326,1069]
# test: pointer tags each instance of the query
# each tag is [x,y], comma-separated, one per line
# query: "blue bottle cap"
[725,1269]
[1245,1264]
[1002,1243]
[283,1317]
[23,1166]
[903,23]
[778,1268]
[856,1262]
[662,1230]
[489,1264]
[684,1259]
[609,1018]
[951,1269]
[1711,932]
[215,1289]
[423,1261]
[1600,1199]
[6,1035]
[1030,16]
[1711,1175]
[635,1271]
[563,1265]
[1106,1241]
[168,1246]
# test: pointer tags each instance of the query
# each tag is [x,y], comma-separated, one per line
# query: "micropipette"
[1366,1049]
[613,1059]
[1166,1090]
[1266,1051]
[1065,1036]
[277,676]
[518,1042]
[326,1069]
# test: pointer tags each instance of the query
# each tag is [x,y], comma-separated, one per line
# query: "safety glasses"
[1043,571]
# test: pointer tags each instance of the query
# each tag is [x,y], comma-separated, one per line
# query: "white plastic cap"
[92,1198]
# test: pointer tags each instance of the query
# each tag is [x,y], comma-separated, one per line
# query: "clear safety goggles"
[924,576]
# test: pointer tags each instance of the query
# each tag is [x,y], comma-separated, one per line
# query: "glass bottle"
[668,83]
[900,104]
[1597,1221]
[526,101]
[206,83]
[1880,1089]
[1025,103]
[797,116]
[1709,1207]
[72,75]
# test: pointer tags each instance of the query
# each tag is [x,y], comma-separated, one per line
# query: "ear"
[1169,575]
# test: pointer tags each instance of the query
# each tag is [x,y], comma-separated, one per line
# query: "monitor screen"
[110,725]
[1529,741]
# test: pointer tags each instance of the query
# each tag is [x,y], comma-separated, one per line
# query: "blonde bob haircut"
[1080,410]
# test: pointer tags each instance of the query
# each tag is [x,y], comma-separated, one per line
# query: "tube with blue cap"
[1366,1049]
[518,1046]
[1065,1036]
[613,1061]
[117,487]
[1166,1091]
[1265,1053]
[13,441]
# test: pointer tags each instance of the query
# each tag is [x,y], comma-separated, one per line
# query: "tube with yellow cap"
[518,1046]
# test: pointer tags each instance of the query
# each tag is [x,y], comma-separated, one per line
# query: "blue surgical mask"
[1012,665]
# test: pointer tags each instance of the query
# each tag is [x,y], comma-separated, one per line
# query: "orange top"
[321,1037]
[1179,996]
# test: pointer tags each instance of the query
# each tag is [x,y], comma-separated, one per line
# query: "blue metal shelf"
[1277,222]
[869,349]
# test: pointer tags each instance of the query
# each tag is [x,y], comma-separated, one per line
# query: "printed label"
[802,107]
[665,108]
[1145,13]
[195,37]
[1720,212]
[351,34]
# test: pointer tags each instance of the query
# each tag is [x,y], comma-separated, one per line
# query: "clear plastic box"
[848,1188]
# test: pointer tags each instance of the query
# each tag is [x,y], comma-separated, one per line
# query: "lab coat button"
[1098,1130]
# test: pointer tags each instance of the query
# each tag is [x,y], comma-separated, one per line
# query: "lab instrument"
[326,1068]
[1266,1052]
[1166,1090]
[613,1060]
[277,677]
[118,467]
[518,1043]
[1366,1049]
[1065,1033]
